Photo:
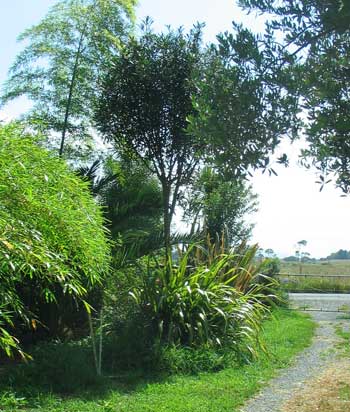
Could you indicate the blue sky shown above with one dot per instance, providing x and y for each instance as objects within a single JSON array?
[{"x": 291, "y": 206}]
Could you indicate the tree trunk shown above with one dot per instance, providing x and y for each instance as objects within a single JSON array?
[
  {"x": 167, "y": 222},
  {"x": 70, "y": 92}
]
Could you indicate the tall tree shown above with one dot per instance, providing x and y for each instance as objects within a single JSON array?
[
  {"x": 176, "y": 106},
  {"x": 300, "y": 252},
  {"x": 144, "y": 104},
  {"x": 57, "y": 69},
  {"x": 316, "y": 40}
]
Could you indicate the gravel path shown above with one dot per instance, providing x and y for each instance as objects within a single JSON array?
[{"x": 311, "y": 361}]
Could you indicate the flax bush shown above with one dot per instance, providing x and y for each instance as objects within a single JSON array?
[{"x": 203, "y": 305}]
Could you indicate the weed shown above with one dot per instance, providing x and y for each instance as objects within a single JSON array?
[
  {"x": 9, "y": 399},
  {"x": 344, "y": 392}
]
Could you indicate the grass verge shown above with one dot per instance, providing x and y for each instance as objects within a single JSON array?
[{"x": 285, "y": 334}]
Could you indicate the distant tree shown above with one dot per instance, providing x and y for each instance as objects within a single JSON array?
[
  {"x": 341, "y": 254},
  {"x": 53, "y": 247},
  {"x": 269, "y": 253},
  {"x": 260, "y": 254},
  {"x": 57, "y": 70},
  {"x": 300, "y": 253}
]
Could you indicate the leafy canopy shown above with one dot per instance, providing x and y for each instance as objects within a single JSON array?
[
  {"x": 316, "y": 41},
  {"x": 145, "y": 100},
  {"x": 243, "y": 107}
]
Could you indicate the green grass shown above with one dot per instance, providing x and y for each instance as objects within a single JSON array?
[
  {"x": 344, "y": 392},
  {"x": 344, "y": 344},
  {"x": 285, "y": 335}
]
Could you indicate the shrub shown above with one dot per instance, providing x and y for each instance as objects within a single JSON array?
[
  {"x": 131, "y": 345},
  {"x": 52, "y": 243},
  {"x": 196, "y": 306},
  {"x": 271, "y": 267}
]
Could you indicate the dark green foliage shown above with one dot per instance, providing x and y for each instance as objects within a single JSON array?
[
  {"x": 92, "y": 175},
  {"x": 132, "y": 204},
  {"x": 341, "y": 254},
  {"x": 189, "y": 361},
  {"x": 131, "y": 343},
  {"x": 129, "y": 336},
  {"x": 271, "y": 267},
  {"x": 52, "y": 242},
  {"x": 317, "y": 44},
  {"x": 145, "y": 100},
  {"x": 305, "y": 22},
  {"x": 243, "y": 108},
  {"x": 56, "y": 367}
]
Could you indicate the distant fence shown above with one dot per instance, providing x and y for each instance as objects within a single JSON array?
[
  {"x": 308, "y": 309},
  {"x": 311, "y": 276},
  {"x": 317, "y": 284}
]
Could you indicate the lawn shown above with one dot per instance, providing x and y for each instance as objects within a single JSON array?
[{"x": 285, "y": 335}]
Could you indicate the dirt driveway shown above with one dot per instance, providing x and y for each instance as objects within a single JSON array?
[{"x": 316, "y": 381}]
